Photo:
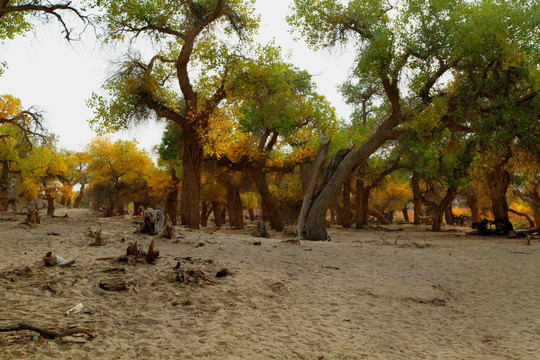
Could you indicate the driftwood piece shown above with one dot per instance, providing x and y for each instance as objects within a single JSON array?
[
  {"x": 51, "y": 259},
  {"x": 51, "y": 334},
  {"x": 152, "y": 223},
  {"x": 261, "y": 230},
  {"x": 134, "y": 253}
]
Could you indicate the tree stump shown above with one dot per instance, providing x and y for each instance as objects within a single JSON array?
[
  {"x": 98, "y": 239},
  {"x": 33, "y": 216},
  {"x": 168, "y": 231}
]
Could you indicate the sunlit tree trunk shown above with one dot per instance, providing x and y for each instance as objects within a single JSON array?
[
  {"x": 78, "y": 199},
  {"x": 171, "y": 199},
  {"x": 50, "y": 204}
]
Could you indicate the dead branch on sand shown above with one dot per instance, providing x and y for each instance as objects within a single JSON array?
[{"x": 51, "y": 334}]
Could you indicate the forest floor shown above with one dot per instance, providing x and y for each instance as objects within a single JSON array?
[{"x": 392, "y": 292}]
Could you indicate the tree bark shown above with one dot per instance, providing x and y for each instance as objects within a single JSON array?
[
  {"x": 315, "y": 221},
  {"x": 471, "y": 197},
  {"x": 192, "y": 158},
  {"x": 219, "y": 215},
  {"x": 205, "y": 214},
  {"x": 449, "y": 215},
  {"x": 234, "y": 207},
  {"x": 268, "y": 202},
  {"x": 362, "y": 204},
  {"x": 498, "y": 181},
  {"x": 311, "y": 187},
  {"x": 438, "y": 209}
]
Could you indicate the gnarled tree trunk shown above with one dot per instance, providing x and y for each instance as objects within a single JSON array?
[
  {"x": 234, "y": 203},
  {"x": 472, "y": 198},
  {"x": 498, "y": 181}
]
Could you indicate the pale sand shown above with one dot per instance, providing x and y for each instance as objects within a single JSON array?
[{"x": 360, "y": 296}]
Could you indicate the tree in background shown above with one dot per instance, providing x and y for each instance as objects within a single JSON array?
[
  {"x": 116, "y": 172},
  {"x": 184, "y": 81}
]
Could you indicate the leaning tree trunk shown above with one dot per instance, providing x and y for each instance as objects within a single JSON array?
[
  {"x": 50, "y": 204},
  {"x": 192, "y": 159},
  {"x": 268, "y": 202},
  {"x": 405, "y": 213},
  {"x": 78, "y": 199},
  {"x": 417, "y": 200},
  {"x": 498, "y": 181},
  {"x": 315, "y": 220}
]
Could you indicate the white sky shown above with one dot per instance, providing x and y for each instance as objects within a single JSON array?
[{"x": 56, "y": 77}]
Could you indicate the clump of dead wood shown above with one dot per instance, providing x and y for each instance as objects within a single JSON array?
[
  {"x": 152, "y": 223},
  {"x": 195, "y": 272},
  {"x": 134, "y": 254},
  {"x": 168, "y": 230}
]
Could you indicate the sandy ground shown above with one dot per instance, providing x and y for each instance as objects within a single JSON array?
[{"x": 369, "y": 294}]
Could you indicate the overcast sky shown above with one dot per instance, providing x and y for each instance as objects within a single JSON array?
[{"x": 57, "y": 78}]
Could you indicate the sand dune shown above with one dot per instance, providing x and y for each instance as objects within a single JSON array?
[{"x": 369, "y": 294}]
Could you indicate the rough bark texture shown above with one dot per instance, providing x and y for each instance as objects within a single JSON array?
[
  {"x": 234, "y": 207},
  {"x": 268, "y": 202},
  {"x": 362, "y": 203},
  {"x": 438, "y": 209},
  {"x": 311, "y": 186},
  {"x": 449, "y": 215},
  {"x": 472, "y": 198},
  {"x": 219, "y": 215},
  {"x": 405, "y": 213},
  {"x": 498, "y": 181},
  {"x": 205, "y": 214},
  {"x": 191, "y": 185}
]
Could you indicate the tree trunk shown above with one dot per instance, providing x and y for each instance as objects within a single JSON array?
[
  {"x": 449, "y": 215},
  {"x": 234, "y": 207},
  {"x": 315, "y": 219},
  {"x": 120, "y": 208},
  {"x": 171, "y": 200},
  {"x": 405, "y": 213},
  {"x": 269, "y": 204},
  {"x": 498, "y": 181},
  {"x": 378, "y": 216},
  {"x": 438, "y": 209},
  {"x": 192, "y": 158},
  {"x": 471, "y": 197},
  {"x": 78, "y": 199},
  {"x": 63, "y": 200},
  {"x": 311, "y": 187},
  {"x": 251, "y": 215},
  {"x": 219, "y": 215},
  {"x": 362, "y": 203},
  {"x": 417, "y": 200},
  {"x": 50, "y": 204},
  {"x": 205, "y": 214}
]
